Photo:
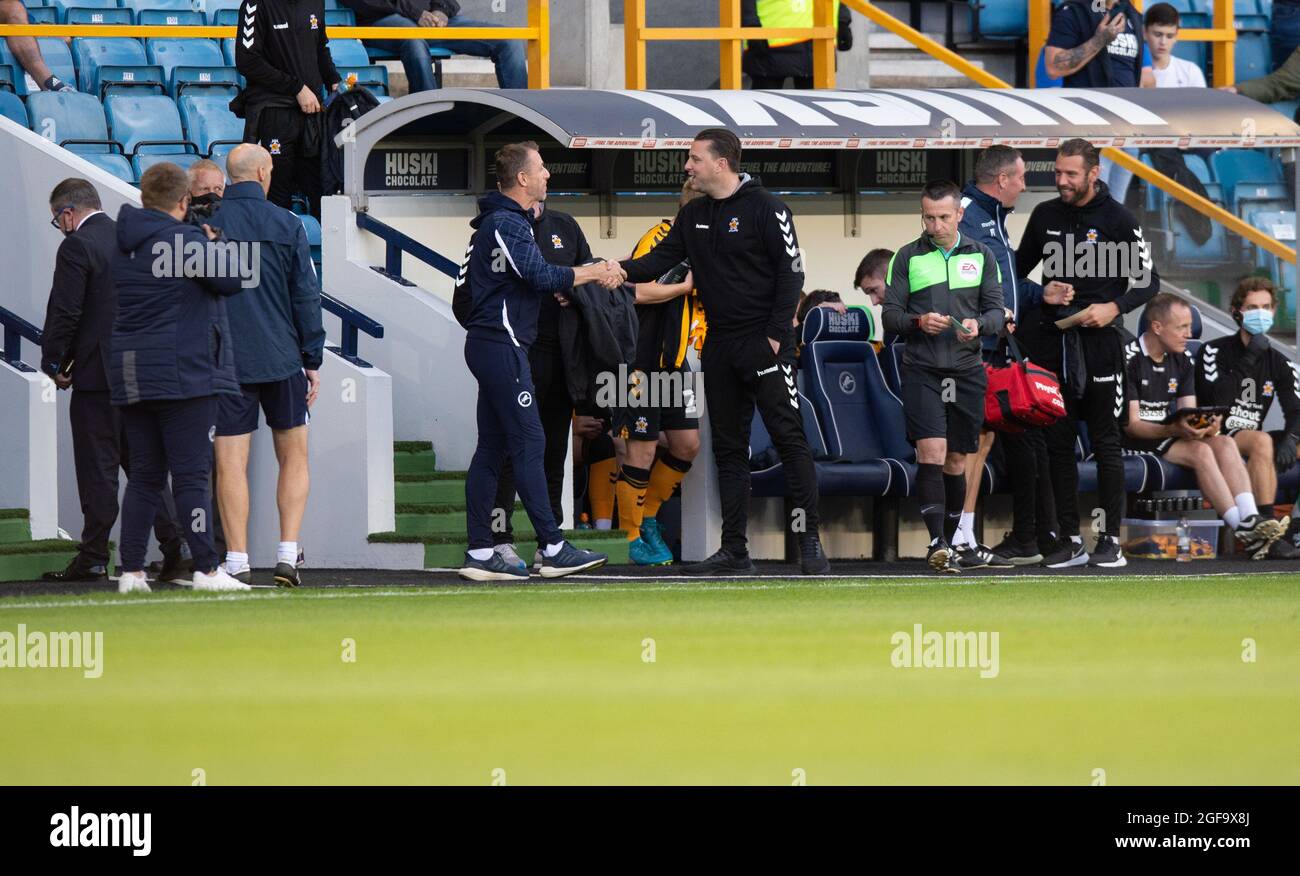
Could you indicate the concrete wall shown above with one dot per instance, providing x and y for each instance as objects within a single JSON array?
[{"x": 29, "y": 463}]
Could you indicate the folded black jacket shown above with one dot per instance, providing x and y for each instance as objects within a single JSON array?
[{"x": 597, "y": 334}]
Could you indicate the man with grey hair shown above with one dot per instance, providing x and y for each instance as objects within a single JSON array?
[
  {"x": 74, "y": 353},
  {"x": 207, "y": 184},
  {"x": 278, "y": 341}
]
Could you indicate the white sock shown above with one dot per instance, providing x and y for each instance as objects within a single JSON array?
[
  {"x": 966, "y": 529},
  {"x": 604, "y": 523},
  {"x": 1232, "y": 517},
  {"x": 235, "y": 561},
  {"x": 1077, "y": 539},
  {"x": 480, "y": 554},
  {"x": 553, "y": 549},
  {"x": 1246, "y": 505},
  {"x": 287, "y": 552}
]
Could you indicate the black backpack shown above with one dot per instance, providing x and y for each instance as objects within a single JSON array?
[{"x": 346, "y": 107}]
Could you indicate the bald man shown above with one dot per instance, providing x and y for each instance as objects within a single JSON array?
[{"x": 278, "y": 343}]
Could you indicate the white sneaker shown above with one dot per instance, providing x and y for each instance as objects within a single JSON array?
[
  {"x": 218, "y": 580},
  {"x": 133, "y": 582}
]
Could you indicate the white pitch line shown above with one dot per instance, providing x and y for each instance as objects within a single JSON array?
[{"x": 857, "y": 582}]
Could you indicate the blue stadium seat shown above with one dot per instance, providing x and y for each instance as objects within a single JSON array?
[
  {"x": 213, "y": 8},
  {"x": 215, "y": 80},
  {"x": 374, "y": 78},
  {"x": 767, "y": 475},
  {"x": 862, "y": 421},
  {"x": 1254, "y": 56},
  {"x": 12, "y": 108},
  {"x": 63, "y": 117},
  {"x": 210, "y": 124},
  {"x": 170, "y": 18},
  {"x": 114, "y": 164},
  {"x": 7, "y": 80},
  {"x": 142, "y": 162},
  {"x": 63, "y": 6},
  {"x": 228, "y": 51},
  {"x": 57, "y": 57},
  {"x": 1280, "y": 226},
  {"x": 1288, "y": 108},
  {"x": 999, "y": 20},
  {"x": 1233, "y": 167},
  {"x": 1248, "y": 16},
  {"x": 139, "y": 7},
  {"x": 93, "y": 53},
  {"x": 333, "y": 4},
  {"x": 340, "y": 18},
  {"x": 173, "y": 53},
  {"x": 226, "y": 17},
  {"x": 1189, "y": 254},
  {"x": 42, "y": 15},
  {"x": 78, "y": 15},
  {"x": 146, "y": 123},
  {"x": 348, "y": 53}
]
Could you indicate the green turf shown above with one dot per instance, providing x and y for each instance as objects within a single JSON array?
[{"x": 1141, "y": 678}]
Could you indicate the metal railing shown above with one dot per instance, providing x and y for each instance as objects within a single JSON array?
[
  {"x": 537, "y": 33},
  {"x": 353, "y": 321},
  {"x": 17, "y": 330},
  {"x": 729, "y": 35},
  {"x": 396, "y": 243}
]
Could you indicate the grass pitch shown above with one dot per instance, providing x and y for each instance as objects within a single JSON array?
[{"x": 750, "y": 683}]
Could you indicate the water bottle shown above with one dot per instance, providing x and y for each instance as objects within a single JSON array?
[{"x": 1184, "y": 534}]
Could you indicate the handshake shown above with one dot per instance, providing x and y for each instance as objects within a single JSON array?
[{"x": 608, "y": 274}]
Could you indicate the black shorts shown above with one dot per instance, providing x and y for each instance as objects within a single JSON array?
[
  {"x": 284, "y": 402},
  {"x": 669, "y": 405},
  {"x": 957, "y": 416}
]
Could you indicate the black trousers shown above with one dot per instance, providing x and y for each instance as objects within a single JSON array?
[
  {"x": 556, "y": 411},
  {"x": 99, "y": 448},
  {"x": 1033, "y": 503},
  {"x": 739, "y": 373},
  {"x": 1100, "y": 410},
  {"x": 280, "y": 132},
  {"x": 173, "y": 436}
]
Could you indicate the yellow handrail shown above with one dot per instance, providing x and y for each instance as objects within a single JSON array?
[
  {"x": 728, "y": 35},
  {"x": 1157, "y": 179},
  {"x": 536, "y": 33}
]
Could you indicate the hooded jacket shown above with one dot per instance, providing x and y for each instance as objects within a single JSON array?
[
  {"x": 985, "y": 220},
  {"x": 506, "y": 274},
  {"x": 745, "y": 259},
  {"x": 170, "y": 340},
  {"x": 277, "y": 323},
  {"x": 1098, "y": 248}
]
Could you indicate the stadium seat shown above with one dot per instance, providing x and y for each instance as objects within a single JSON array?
[
  {"x": 12, "y": 108},
  {"x": 226, "y": 17},
  {"x": 210, "y": 124},
  {"x": 1288, "y": 108},
  {"x": 1187, "y": 253},
  {"x": 1248, "y": 16},
  {"x": 1254, "y": 57},
  {"x": 767, "y": 475},
  {"x": 57, "y": 57},
  {"x": 114, "y": 164},
  {"x": 146, "y": 124},
  {"x": 71, "y": 119},
  {"x": 228, "y": 51},
  {"x": 65, "y": 6},
  {"x": 1280, "y": 226},
  {"x": 999, "y": 20},
  {"x": 215, "y": 80},
  {"x": 98, "y": 16},
  {"x": 374, "y": 78},
  {"x": 215, "y": 8},
  {"x": 42, "y": 15},
  {"x": 142, "y": 162},
  {"x": 7, "y": 79},
  {"x": 173, "y": 53},
  {"x": 348, "y": 53},
  {"x": 170, "y": 18},
  {"x": 93, "y": 53},
  {"x": 340, "y": 18},
  {"x": 139, "y": 7},
  {"x": 1233, "y": 167}
]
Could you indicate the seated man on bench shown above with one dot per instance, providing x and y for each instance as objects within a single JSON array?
[{"x": 1159, "y": 380}]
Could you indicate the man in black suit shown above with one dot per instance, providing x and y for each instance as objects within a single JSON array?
[{"x": 74, "y": 353}]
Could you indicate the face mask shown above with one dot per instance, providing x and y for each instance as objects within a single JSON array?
[
  {"x": 204, "y": 205},
  {"x": 1257, "y": 322}
]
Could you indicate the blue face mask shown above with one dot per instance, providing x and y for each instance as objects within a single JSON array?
[{"x": 1257, "y": 322}]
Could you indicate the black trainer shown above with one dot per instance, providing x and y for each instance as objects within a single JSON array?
[
  {"x": 78, "y": 570},
  {"x": 1016, "y": 552},
  {"x": 1067, "y": 554},
  {"x": 176, "y": 569},
  {"x": 1282, "y": 550},
  {"x": 943, "y": 558},
  {"x": 722, "y": 562},
  {"x": 286, "y": 575},
  {"x": 569, "y": 560},
  {"x": 494, "y": 568},
  {"x": 812, "y": 559},
  {"x": 1107, "y": 554}
]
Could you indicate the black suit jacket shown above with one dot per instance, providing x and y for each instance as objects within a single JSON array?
[{"x": 83, "y": 304}]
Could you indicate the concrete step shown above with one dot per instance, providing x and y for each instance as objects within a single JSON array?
[
  {"x": 440, "y": 488},
  {"x": 27, "y": 561},
  {"x": 414, "y": 457},
  {"x": 14, "y": 526}
]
